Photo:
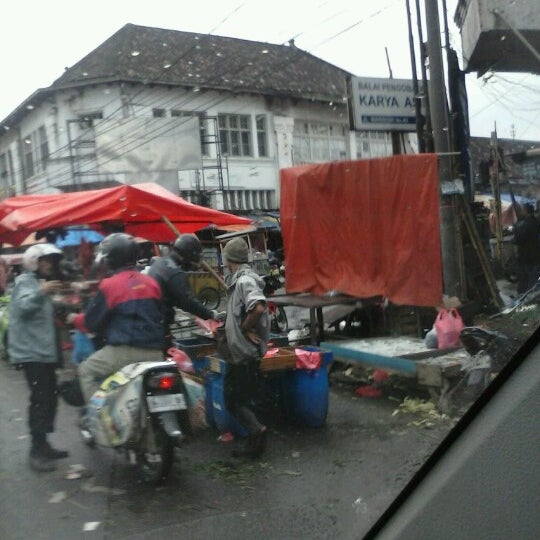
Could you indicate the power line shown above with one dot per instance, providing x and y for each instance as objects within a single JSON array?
[
  {"x": 354, "y": 25},
  {"x": 225, "y": 19},
  {"x": 158, "y": 100}
]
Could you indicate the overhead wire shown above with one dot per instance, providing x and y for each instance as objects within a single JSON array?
[
  {"x": 67, "y": 172},
  {"x": 166, "y": 67},
  {"x": 355, "y": 24},
  {"x": 498, "y": 97}
]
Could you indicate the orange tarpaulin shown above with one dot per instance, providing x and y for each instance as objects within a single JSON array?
[
  {"x": 364, "y": 228},
  {"x": 137, "y": 207}
]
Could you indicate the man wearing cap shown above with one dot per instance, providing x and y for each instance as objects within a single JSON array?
[
  {"x": 527, "y": 238},
  {"x": 246, "y": 328}
]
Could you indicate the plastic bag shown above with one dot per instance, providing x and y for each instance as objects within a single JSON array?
[
  {"x": 181, "y": 359},
  {"x": 114, "y": 409},
  {"x": 448, "y": 325},
  {"x": 209, "y": 326},
  {"x": 195, "y": 397},
  {"x": 307, "y": 359},
  {"x": 430, "y": 339}
]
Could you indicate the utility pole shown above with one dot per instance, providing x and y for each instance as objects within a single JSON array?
[
  {"x": 417, "y": 99},
  {"x": 440, "y": 125},
  {"x": 428, "y": 136}
]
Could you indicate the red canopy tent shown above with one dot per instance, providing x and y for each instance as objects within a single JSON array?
[{"x": 138, "y": 208}]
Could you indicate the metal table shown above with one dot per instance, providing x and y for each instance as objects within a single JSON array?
[{"x": 315, "y": 304}]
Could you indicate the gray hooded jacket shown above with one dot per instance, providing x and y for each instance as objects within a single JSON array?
[
  {"x": 32, "y": 333},
  {"x": 245, "y": 289}
]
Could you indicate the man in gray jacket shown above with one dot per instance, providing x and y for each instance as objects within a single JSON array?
[
  {"x": 33, "y": 346},
  {"x": 246, "y": 328}
]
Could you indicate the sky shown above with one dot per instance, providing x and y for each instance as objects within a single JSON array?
[{"x": 40, "y": 38}]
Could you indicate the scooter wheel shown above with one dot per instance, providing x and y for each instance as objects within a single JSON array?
[{"x": 155, "y": 463}]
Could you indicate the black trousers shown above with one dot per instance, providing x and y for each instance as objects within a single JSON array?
[
  {"x": 527, "y": 274},
  {"x": 41, "y": 379},
  {"x": 240, "y": 387}
]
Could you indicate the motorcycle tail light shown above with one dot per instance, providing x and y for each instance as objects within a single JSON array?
[{"x": 163, "y": 381}]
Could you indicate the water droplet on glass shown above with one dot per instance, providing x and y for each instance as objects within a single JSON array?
[{"x": 360, "y": 507}]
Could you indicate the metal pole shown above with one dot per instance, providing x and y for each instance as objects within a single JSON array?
[
  {"x": 427, "y": 131},
  {"x": 417, "y": 102},
  {"x": 439, "y": 119}
]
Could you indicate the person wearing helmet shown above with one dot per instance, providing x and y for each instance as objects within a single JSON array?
[
  {"x": 246, "y": 330},
  {"x": 170, "y": 273},
  {"x": 126, "y": 313},
  {"x": 34, "y": 346}
]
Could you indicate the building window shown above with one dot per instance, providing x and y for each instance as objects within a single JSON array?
[
  {"x": 35, "y": 152},
  {"x": 373, "y": 144},
  {"x": 262, "y": 146},
  {"x": 316, "y": 142},
  {"x": 28, "y": 157},
  {"x": 235, "y": 134},
  {"x": 158, "y": 113},
  {"x": 203, "y": 126},
  {"x": 86, "y": 121},
  {"x": 42, "y": 147},
  {"x": 6, "y": 173}
]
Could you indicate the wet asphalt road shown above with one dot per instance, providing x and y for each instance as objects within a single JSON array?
[{"x": 331, "y": 482}]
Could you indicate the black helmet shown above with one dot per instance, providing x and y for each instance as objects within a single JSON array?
[
  {"x": 188, "y": 250},
  {"x": 118, "y": 250}
]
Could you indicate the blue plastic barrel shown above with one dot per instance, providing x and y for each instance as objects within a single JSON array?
[
  {"x": 310, "y": 396},
  {"x": 223, "y": 421},
  {"x": 305, "y": 392}
]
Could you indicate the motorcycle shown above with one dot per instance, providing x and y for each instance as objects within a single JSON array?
[{"x": 142, "y": 411}]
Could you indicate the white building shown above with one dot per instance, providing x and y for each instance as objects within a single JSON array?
[
  {"x": 499, "y": 35},
  {"x": 210, "y": 118}
]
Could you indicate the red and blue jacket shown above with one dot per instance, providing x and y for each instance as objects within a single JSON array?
[{"x": 126, "y": 310}]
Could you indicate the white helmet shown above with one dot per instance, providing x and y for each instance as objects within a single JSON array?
[{"x": 33, "y": 253}]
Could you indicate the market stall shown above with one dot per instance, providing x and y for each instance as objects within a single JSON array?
[
  {"x": 293, "y": 381},
  {"x": 135, "y": 209}
]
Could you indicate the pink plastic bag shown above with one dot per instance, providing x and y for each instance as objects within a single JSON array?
[
  {"x": 307, "y": 359},
  {"x": 182, "y": 360},
  {"x": 448, "y": 325},
  {"x": 209, "y": 326}
]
